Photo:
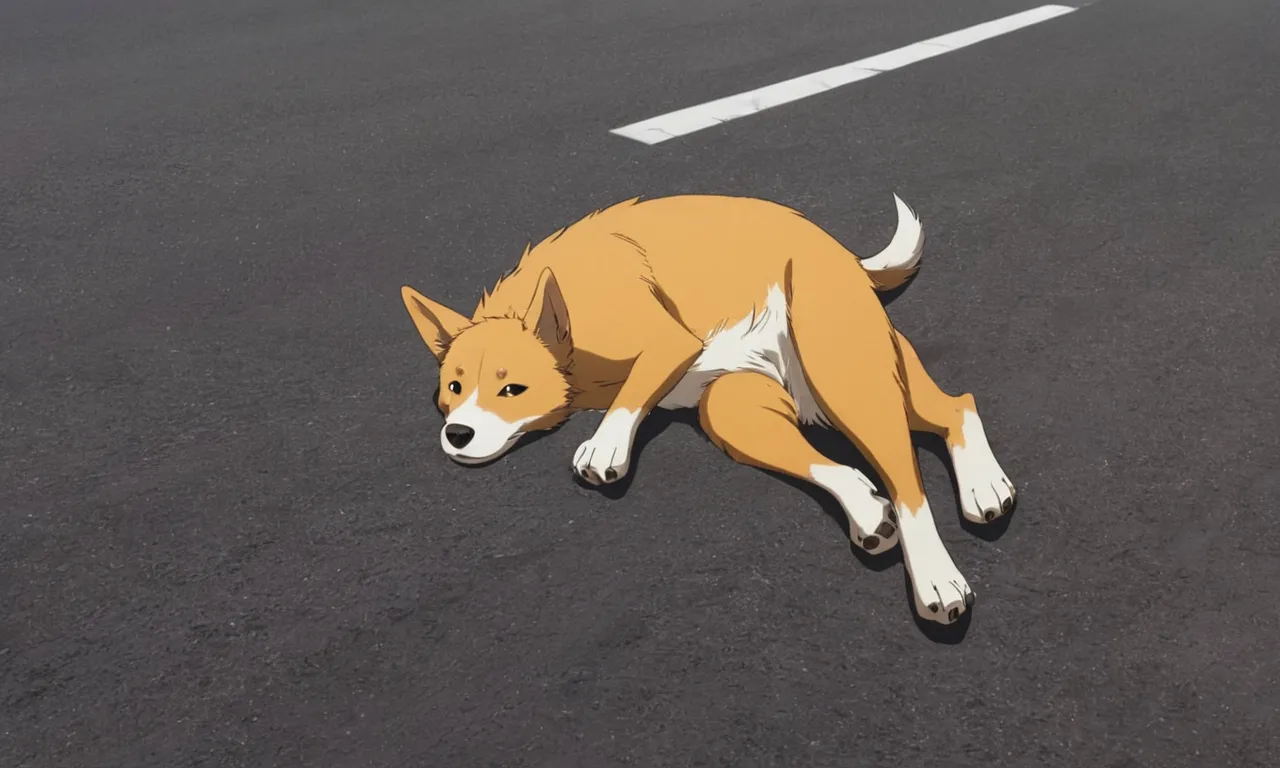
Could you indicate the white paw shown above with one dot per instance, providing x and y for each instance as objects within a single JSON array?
[
  {"x": 602, "y": 461},
  {"x": 986, "y": 497},
  {"x": 985, "y": 490},
  {"x": 941, "y": 594},
  {"x": 606, "y": 457},
  {"x": 884, "y": 535},
  {"x": 872, "y": 522}
]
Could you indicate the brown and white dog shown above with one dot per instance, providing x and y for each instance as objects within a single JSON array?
[{"x": 751, "y": 313}]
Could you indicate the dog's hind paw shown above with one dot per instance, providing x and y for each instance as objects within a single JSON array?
[
  {"x": 873, "y": 526},
  {"x": 988, "y": 498},
  {"x": 884, "y": 536},
  {"x": 942, "y": 596},
  {"x": 985, "y": 490}
]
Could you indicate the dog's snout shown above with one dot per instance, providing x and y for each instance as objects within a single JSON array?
[{"x": 458, "y": 435}]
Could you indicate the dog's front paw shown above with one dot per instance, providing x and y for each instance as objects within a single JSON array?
[
  {"x": 606, "y": 457},
  {"x": 602, "y": 460}
]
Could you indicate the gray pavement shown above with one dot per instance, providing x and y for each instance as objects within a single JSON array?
[{"x": 228, "y": 536}]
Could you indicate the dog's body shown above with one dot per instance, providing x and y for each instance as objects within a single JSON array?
[{"x": 745, "y": 310}]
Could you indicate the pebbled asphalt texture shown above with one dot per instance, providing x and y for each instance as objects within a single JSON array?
[{"x": 229, "y": 537}]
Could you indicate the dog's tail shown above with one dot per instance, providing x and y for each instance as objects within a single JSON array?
[{"x": 900, "y": 259}]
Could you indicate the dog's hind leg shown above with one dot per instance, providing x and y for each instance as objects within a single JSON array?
[
  {"x": 751, "y": 417},
  {"x": 984, "y": 489},
  {"x": 848, "y": 350}
]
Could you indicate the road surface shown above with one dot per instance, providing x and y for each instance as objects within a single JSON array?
[{"x": 229, "y": 537}]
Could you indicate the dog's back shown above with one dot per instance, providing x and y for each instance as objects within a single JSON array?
[{"x": 710, "y": 259}]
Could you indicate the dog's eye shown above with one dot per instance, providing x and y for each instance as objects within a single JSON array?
[
  {"x": 511, "y": 390},
  {"x": 455, "y": 387}
]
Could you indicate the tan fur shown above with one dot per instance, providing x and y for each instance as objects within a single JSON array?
[
  {"x": 928, "y": 407},
  {"x": 849, "y": 352},
  {"x": 611, "y": 312},
  {"x": 753, "y": 419}
]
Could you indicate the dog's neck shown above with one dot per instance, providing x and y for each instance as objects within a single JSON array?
[{"x": 594, "y": 381}]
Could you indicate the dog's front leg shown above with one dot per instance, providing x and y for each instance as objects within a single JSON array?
[{"x": 606, "y": 457}]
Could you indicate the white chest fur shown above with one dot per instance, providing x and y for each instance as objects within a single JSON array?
[{"x": 761, "y": 343}]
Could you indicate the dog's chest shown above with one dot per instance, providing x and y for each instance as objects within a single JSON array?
[{"x": 759, "y": 343}]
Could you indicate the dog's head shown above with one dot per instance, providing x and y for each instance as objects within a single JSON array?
[{"x": 500, "y": 377}]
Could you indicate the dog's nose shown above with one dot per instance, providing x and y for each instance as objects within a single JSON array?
[{"x": 458, "y": 435}]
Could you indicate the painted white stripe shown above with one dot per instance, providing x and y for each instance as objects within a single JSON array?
[{"x": 685, "y": 121}]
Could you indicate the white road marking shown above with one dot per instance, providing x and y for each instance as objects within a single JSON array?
[{"x": 685, "y": 121}]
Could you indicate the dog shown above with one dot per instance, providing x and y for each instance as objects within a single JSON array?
[{"x": 746, "y": 310}]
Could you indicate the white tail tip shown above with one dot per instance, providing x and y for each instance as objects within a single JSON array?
[{"x": 906, "y": 247}]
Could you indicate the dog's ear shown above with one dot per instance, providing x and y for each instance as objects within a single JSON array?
[
  {"x": 437, "y": 323},
  {"x": 547, "y": 316}
]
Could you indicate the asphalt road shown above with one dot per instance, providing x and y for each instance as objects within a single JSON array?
[{"x": 228, "y": 536}]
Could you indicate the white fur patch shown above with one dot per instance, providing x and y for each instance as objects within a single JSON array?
[
  {"x": 760, "y": 342},
  {"x": 941, "y": 593},
  {"x": 606, "y": 457},
  {"x": 866, "y": 511},
  {"x": 985, "y": 490},
  {"x": 906, "y": 247},
  {"x": 493, "y": 435}
]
